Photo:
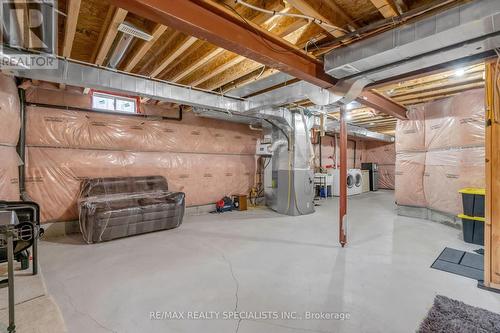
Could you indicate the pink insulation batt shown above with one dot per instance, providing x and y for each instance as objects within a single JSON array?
[
  {"x": 446, "y": 172},
  {"x": 204, "y": 158},
  {"x": 9, "y": 133},
  {"x": 409, "y": 179}
]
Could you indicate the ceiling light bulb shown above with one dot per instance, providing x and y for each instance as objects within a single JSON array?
[
  {"x": 459, "y": 72},
  {"x": 348, "y": 116}
]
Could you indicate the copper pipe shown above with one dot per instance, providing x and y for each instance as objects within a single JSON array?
[{"x": 343, "y": 177}]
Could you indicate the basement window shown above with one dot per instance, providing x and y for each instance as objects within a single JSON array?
[{"x": 114, "y": 103}]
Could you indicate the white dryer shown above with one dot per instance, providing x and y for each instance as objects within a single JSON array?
[{"x": 354, "y": 181}]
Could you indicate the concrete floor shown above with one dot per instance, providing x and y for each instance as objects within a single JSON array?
[{"x": 259, "y": 261}]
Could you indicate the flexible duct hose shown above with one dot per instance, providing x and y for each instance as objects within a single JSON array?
[{"x": 276, "y": 144}]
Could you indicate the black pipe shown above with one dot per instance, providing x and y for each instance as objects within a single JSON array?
[
  {"x": 67, "y": 108},
  {"x": 21, "y": 144}
]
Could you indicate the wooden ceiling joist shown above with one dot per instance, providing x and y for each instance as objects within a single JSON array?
[
  {"x": 242, "y": 68},
  {"x": 144, "y": 47},
  {"x": 213, "y": 22},
  {"x": 230, "y": 63},
  {"x": 291, "y": 27},
  {"x": 386, "y": 7},
  {"x": 433, "y": 88},
  {"x": 70, "y": 26},
  {"x": 409, "y": 84},
  {"x": 180, "y": 49},
  {"x": 197, "y": 64},
  {"x": 70, "y": 29},
  {"x": 419, "y": 98},
  {"x": 218, "y": 25},
  {"x": 109, "y": 34},
  {"x": 326, "y": 11},
  {"x": 166, "y": 44},
  {"x": 264, "y": 20}
]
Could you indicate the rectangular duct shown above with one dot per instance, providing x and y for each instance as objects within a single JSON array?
[
  {"x": 89, "y": 76},
  {"x": 262, "y": 84},
  {"x": 333, "y": 126},
  {"x": 85, "y": 75},
  {"x": 465, "y": 23}
]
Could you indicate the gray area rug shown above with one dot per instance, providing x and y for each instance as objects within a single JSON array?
[{"x": 451, "y": 316}]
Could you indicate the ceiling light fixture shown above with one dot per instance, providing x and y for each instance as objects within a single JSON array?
[
  {"x": 459, "y": 72},
  {"x": 350, "y": 106}
]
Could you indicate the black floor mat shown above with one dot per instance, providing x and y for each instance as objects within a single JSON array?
[
  {"x": 462, "y": 263},
  {"x": 479, "y": 251}
]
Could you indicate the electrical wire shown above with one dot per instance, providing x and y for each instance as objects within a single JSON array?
[
  {"x": 258, "y": 32},
  {"x": 497, "y": 88},
  {"x": 387, "y": 23},
  {"x": 308, "y": 18},
  {"x": 261, "y": 72}
]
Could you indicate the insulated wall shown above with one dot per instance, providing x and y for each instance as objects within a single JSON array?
[
  {"x": 446, "y": 139},
  {"x": 9, "y": 134},
  {"x": 330, "y": 156},
  {"x": 204, "y": 158},
  {"x": 447, "y": 171},
  {"x": 410, "y": 158},
  {"x": 409, "y": 182},
  {"x": 384, "y": 154},
  {"x": 358, "y": 152}
]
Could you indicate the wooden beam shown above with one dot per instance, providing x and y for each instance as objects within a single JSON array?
[
  {"x": 381, "y": 103},
  {"x": 70, "y": 26},
  {"x": 385, "y": 7},
  {"x": 218, "y": 25},
  {"x": 111, "y": 30},
  {"x": 343, "y": 177},
  {"x": 492, "y": 208},
  {"x": 144, "y": 47}
]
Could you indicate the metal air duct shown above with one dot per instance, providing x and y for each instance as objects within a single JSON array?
[
  {"x": 469, "y": 30},
  {"x": 419, "y": 45},
  {"x": 85, "y": 75},
  {"x": 128, "y": 32}
]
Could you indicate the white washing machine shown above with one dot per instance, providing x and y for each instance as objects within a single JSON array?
[{"x": 354, "y": 181}]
